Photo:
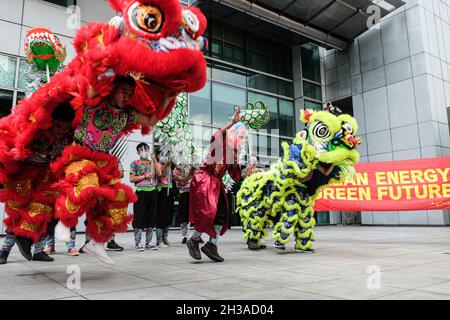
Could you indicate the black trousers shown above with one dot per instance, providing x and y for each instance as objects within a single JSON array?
[
  {"x": 166, "y": 204},
  {"x": 183, "y": 208},
  {"x": 222, "y": 216},
  {"x": 51, "y": 228},
  {"x": 145, "y": 209}
]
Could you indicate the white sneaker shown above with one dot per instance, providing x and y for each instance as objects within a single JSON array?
[
  {"x": 151, "y": 247},
  {"x": 161, "y": 245},
  {"x": 62, "y": 233},
  {"x": 97, "y": 250}
]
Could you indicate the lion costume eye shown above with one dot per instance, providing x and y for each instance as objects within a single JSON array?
[
  {"x": 347, "y": 127},
  {"x": 145, "y": 17},
  {"x": 320, "y": 130}
]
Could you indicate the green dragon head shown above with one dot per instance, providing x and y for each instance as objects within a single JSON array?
[{"x": 328, "y": 138}]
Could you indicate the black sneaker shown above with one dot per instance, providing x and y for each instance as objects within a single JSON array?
[
  {"x": 43, "y": 257},
  {"x": 210, "y": 250},
  {"x": 279, "y": 246},
  {"x": 253, "y": 245},
  {"x": 184, "y": 240},
  {"x": 25, "y": 245},
  {"x": 4, "y": 256},
  {"x": 113, "y": 246},
  {"x": 194, "y": 250},
  {"x": 306, "y": 251},
  {"x": 82, "y": 249}
]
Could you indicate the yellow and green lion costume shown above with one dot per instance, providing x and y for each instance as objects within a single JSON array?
[{"x": 283, "y": 198}]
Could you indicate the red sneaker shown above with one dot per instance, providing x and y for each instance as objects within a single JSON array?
[
  {"x": 73, "y": 252},
  {"x": 50, "y": 250}
]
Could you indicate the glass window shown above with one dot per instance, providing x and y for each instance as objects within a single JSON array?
[
  {"x": 268, "y": 146},
  {"x": 6, "y": 102},
  {"x": 263, "y": 82},
  {"x": 216, "y": 48},
  {"x": 285, "y": 88},
  {"x": 322, "y": 217},
  {"x": 287, "y": 118},
  {"x": 254, "y": 143},
  {"x": 7, "y": 71},
  {"x": 272, "y": 105},
  {"x": 201, "y": 136},
  {"x": 283, "y": 64},
  {"x": 233, "y": 53},
  {"x": 283, "y": 68},
  {"x": 229, "y": 76},
  {"x": 23, "y": 67},
  {"x": 286, "y": 108},
  {"x": 263, "y": 145},
  {"x": 258, "y": 61},
  {"x": 313, "y": 105},
  {"x": 216, "y": 30},
  {"x": 233, "y": 45},
  {"x": 261, "y": 46},
  {"x": 200, "y": 105},
  {"x": 311, "y": 62},
  {"x": 311, "y": 90},
  {"x": 225, "y": 99},
  {"x": 65, "y": 3},
  {"x": 233, "y": 36},
  {"x": 20, "y": 96}
]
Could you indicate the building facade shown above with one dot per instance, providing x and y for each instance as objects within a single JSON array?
[{"x": 395, "y": 78}]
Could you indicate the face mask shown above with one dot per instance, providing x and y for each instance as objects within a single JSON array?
[{"x": 144, "y": 155}]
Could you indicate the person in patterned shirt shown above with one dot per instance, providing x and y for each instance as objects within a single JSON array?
[
  {"x": 98, "y": 132},
  {"x": 143, "y": 175},
  {"x": 103, "y": 124}
]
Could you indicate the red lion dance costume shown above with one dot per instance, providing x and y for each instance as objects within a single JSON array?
[{"x": 158, "y": 43}]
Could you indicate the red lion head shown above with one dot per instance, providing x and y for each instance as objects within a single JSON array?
[
  {"x": 157, "y": 42},
  {"x": 160, "y": 44}
]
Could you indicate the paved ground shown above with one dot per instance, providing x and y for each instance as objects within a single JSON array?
[{"x": 414, "y": 264}]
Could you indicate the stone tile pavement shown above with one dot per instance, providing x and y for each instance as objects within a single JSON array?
[{"x": 350, "y": 263}]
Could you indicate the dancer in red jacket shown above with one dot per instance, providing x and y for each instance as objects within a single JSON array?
[{"x": 208, "y": 205}]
